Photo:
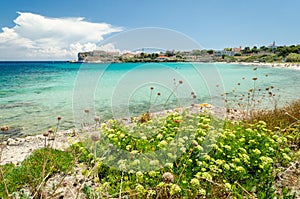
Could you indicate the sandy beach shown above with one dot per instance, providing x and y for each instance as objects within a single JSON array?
[{"x": 275, "y": 65}]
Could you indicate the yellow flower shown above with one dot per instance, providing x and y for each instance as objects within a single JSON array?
[
  {"x": 207, "y": 176},
  {"x": 256, "y": 151},
  {"x": 202, "y": 192},
  {"x": 228, "y": 186},
  {"x": 195, "y": 183},
  {"x": 175, "y": 189},
  {"x": 139, "y": 188},
  {"x": 285, "y": 156},
  {"x": 152, "y": 173}
]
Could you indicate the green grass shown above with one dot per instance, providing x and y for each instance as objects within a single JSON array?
[{"x": 29, "y": 173}]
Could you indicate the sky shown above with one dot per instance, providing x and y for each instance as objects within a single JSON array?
[{"x": 59, "y": 29}]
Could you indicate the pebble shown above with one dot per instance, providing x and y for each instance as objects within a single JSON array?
[{"x": 20, "y": 140}]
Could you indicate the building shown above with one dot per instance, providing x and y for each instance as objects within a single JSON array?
[
  {"x": 273, "y": 47},
  {"x": 237, "y": 50},
  {"x": 128, "y": 55},
  {"x": 219, "y": 53},
  {"x": 162, "y": 58}
]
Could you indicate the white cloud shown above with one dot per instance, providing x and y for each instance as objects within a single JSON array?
[
  {"x": 35, "y": 37},
  {"x": 109, "y": 47}
]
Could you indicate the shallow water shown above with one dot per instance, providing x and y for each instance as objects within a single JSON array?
[{"x": 33, "y": 94}]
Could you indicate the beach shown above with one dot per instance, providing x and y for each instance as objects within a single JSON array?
[{"x": 273, "y": 65}]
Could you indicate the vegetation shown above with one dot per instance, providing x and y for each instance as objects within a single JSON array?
[
  {"x": 180, "y": 154},
  {"x": 33, "y": 172},
  {"x": 263, "y": 54},
  {"x": 268, "y": 54},
  {"x": 293, "y": 57},
  {"x": 240, "y": 161}
]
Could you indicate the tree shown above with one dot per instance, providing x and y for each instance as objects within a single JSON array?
[
  {"x": 263, "y": 48},
  {"x": 227, "y": 49},
  {"x": 247, "y": 50},
  {"x": 154, "y": 55},
  {"x": 196, "y": 52},
  {"x": 254, "y": 49},
  {"x": 210, "y": 52},
  {"x": 283, "y": 51},
  {"x": 169, "y": 53}
]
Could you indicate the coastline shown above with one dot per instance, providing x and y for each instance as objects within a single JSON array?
[
  {"x": 18, "y": 148},
  {"x": 289, "y": 65},
  {"x": 272, "y": 65},
  {"x": 15, "y": 150}
]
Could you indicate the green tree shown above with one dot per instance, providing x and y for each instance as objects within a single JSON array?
[
  {"x": 210, "y": 52},
  {"x": 263, "y": 48},
  {"x": 247, "y": 50},
  {"x": 227, "y": 49},
  {"x": 254, "y": 49},
  {"x": 283, "y": 51},
  {"x": 196, "y": 52},
  {"x": 170, "y": 53}
]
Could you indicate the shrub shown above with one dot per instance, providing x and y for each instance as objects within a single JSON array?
[{"x": 293, "y": 57}]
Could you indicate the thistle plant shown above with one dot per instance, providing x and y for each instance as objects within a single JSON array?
[
  {"x": 97, "y": 121},
  {"x": 87, "y": 112},
  {"x": 173, "y": 92}
]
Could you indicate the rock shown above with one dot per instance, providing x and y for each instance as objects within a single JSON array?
[
  {"x": 12, "y": 142},
  {"x": 20, "y": 140}
]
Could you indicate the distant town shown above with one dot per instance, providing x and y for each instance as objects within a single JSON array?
[{"x": 263, "y": 54}]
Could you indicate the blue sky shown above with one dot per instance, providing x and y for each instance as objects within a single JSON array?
[{"x": 214, "y": 24}]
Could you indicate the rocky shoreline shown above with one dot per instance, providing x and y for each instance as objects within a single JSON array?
[{"x": 15, "y": 150}]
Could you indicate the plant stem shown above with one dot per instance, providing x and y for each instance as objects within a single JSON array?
[
  {"x": 5, "y": 185},
  {"x": 151, "y": 92},
  {"x": 191, "y": 151},
  {"x": 244, "y": 189},
  {"x": 120, "y": 192}
]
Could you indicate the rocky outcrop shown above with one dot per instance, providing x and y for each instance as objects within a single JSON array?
[
  {"x": 84, "y": 55},
  {"x": 98, "y": 56}
]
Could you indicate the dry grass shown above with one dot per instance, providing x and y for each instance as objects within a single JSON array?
[{"x": 283, "y": 118}]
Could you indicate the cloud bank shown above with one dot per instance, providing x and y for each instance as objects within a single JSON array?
[{"x": 35, "y": 37}]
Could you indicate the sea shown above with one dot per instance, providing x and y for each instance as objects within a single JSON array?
[{"x": 34, "y": 94}]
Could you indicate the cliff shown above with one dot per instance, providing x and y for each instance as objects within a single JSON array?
[{"x": 98, "y": 56}]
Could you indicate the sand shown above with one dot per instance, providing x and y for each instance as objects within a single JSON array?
[{"x": 275, "y": 65}]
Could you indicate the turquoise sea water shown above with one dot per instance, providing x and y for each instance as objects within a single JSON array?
[{"x": 33, "y": 94}]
